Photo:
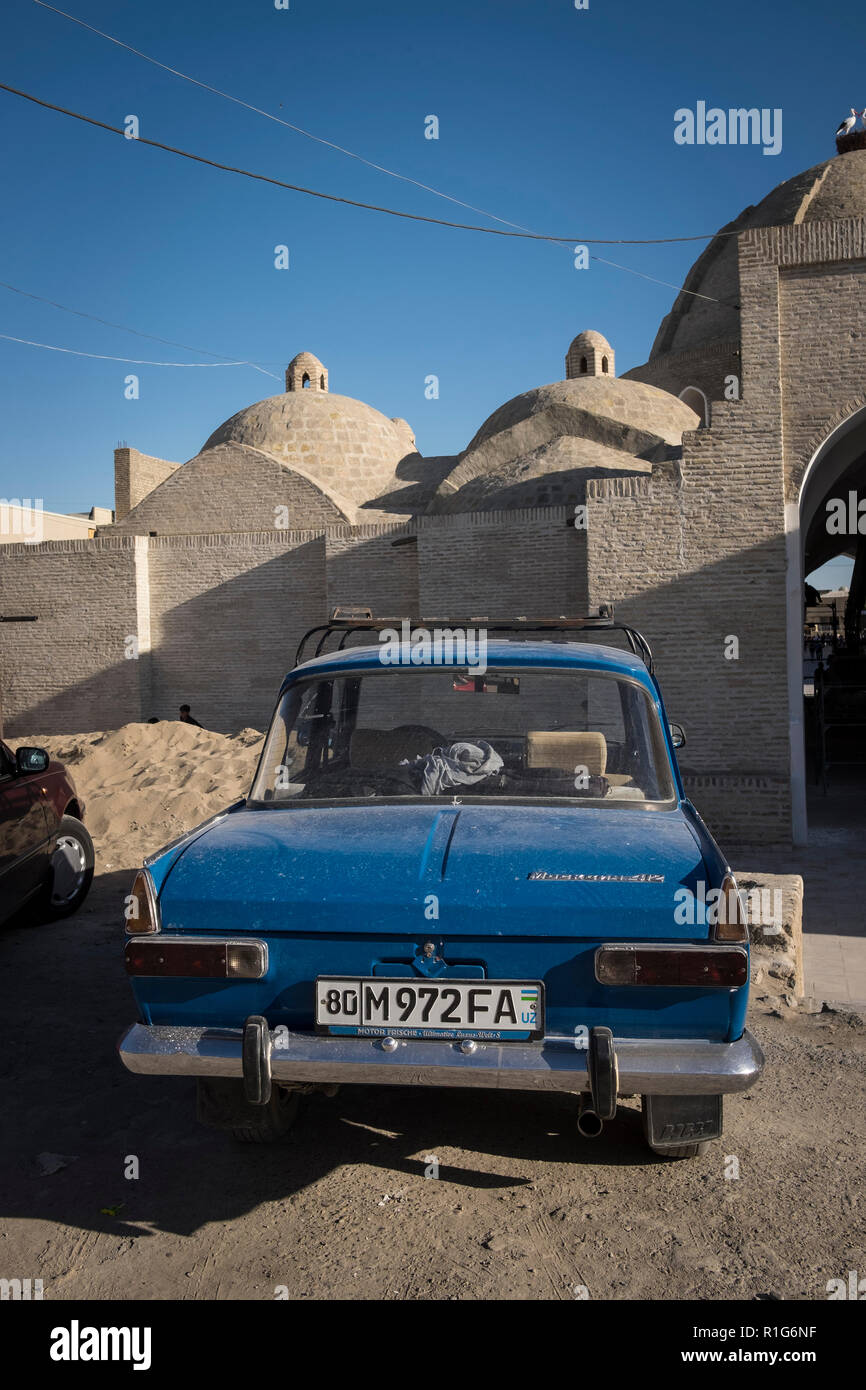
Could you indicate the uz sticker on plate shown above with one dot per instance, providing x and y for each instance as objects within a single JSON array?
[{"x": 423, "y": 1008}]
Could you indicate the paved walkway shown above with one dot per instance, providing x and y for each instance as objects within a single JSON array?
[{"x": 834, "y": 905}]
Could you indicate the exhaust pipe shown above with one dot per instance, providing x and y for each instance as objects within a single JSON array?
[{"x": 589, "y": 1122}]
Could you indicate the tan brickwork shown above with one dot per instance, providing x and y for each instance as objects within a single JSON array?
[
  {"x": 75, "y": 667},
  {"x": 136, "y": 475}
]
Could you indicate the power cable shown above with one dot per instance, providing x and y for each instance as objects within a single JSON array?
[
  {"x": 123, "y": 329},
  {"x": 354, "y": 202},
  {"x": 105, "y": 357}
]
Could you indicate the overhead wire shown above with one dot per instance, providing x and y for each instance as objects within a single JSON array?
[
  {"x": 380, "y": 168},
  {"x": 106, "y": 357},
  {"x": 123, "y": 328},
  {"x": 516, "y": 229},
  {"x": 354, "y": 202},
  {"x": 135, "y": 331}
]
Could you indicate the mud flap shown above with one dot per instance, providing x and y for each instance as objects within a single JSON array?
[
  {"x": 674, "y": 1120},
  {"x": 603, "y": 1072},
  {"x": 257, "y": 1060}
]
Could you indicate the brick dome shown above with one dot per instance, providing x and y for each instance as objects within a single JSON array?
[
  {"x": 540, "y": 448},
  {"x": 342, "y": 444},
  {"x": 825, "y": 193}
]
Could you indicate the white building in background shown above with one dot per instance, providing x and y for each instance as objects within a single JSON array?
[{"x": 25, "y": 520}]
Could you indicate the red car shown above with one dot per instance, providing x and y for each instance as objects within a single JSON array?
[{"x": 46, "y": 854}]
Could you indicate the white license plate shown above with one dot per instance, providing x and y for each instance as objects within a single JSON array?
[{"x": 422, "y": 1008}]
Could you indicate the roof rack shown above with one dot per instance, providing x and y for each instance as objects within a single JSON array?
[{"x": 347, "y": 620}]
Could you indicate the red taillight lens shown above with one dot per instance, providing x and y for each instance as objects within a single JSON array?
[
  {"x": 185, "y": 956},
  {"x": 686, "y": 967}
]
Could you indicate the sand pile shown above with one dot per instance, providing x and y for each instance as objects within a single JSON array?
[{"x": 145, "y": 784}]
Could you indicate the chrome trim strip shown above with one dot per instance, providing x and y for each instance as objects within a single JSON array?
[{"x": 647, "y": 1066}]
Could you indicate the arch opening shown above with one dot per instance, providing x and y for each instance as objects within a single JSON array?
[
  {"x": 696, "y": 400},
  {"x": 826, "y": 584}
]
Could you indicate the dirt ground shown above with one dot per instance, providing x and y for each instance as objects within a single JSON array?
[{"x": 523, "y": 1208}]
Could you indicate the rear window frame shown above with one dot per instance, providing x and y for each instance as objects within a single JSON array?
[{"x": 656, "y": 719}]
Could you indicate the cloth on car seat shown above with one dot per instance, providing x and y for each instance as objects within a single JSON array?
[
  {"x": 460, "y": 765},
  {"x": 566, "y": 751}
]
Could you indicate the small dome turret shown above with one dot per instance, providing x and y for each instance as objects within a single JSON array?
[
  {"x": 306, "y": 373},
  {"x": 590, "y": 354}
]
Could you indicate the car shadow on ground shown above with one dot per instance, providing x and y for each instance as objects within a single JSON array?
[{"x": 76, "y": 1118}]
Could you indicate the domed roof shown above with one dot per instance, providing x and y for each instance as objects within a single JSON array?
[
  {"x": 589, "y": 338},
  {"x": 305, "y": 359},
  {"x": 539, "y": 448},
  {"x": 829, "y": 191},
  {"x": 344, "y": 445}
]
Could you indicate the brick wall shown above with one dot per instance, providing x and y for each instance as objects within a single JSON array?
[
  {"x": 233, "y": 487},
  {"x": 690, "y": 557},
  {"x": 365, "y": 567},
  {"x": 706, "y": 370},
  {"x": 227, "y": 612},
  {"x": 503, "y": 564},
  {"x": 69, "y": 671},
  {"x": 135, "y": 475}
]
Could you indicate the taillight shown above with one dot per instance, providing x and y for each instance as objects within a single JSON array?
[
  {"x": 197, "y": 956},
  {"x": 142, "y": 909},
  {"x": 684, "y": 967},
  {"x": 730, "y": 920}
]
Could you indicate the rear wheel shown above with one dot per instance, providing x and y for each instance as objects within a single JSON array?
[
  {"x": 682, "y": 1150},
  {"x": 223, "y": 1105},
  {"x": 71, "y": 870},
  {"x": 274, "y": 1121}
]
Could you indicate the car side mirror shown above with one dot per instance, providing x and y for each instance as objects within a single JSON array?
[
  {"x": 678, "y": 735},
  {"x": 31, "y": 760}
]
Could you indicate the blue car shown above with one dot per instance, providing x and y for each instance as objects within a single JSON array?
[{"x": 466, "y": 859}]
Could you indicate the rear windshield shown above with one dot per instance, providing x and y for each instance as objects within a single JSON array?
[{"x": 574, "y": 735}]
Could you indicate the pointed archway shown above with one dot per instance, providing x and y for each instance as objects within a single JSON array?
[{"x": 822, "y": 525}]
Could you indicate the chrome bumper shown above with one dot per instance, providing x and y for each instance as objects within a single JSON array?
[{"x": 647, "y": 1066}]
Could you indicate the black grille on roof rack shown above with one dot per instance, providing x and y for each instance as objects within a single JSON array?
[{"x": 348, "y": 620}]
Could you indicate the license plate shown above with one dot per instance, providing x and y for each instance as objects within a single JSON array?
[{"x": 421, "y": 1008}]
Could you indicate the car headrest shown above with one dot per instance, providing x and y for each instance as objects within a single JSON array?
[{"x": 566, "y": 751}]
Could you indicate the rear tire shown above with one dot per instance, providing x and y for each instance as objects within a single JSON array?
[
  {"x": 273, "y": 1121},
  {"x": 71, "y": 872},
  {"x": 682, "y": 1150},
  {"x": 221, "y": 1104}
]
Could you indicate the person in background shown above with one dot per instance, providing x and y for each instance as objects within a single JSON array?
[{"x": 186, "y": 717}]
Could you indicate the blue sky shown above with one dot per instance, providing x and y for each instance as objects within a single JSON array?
[{"x": 558, "y": 119}]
